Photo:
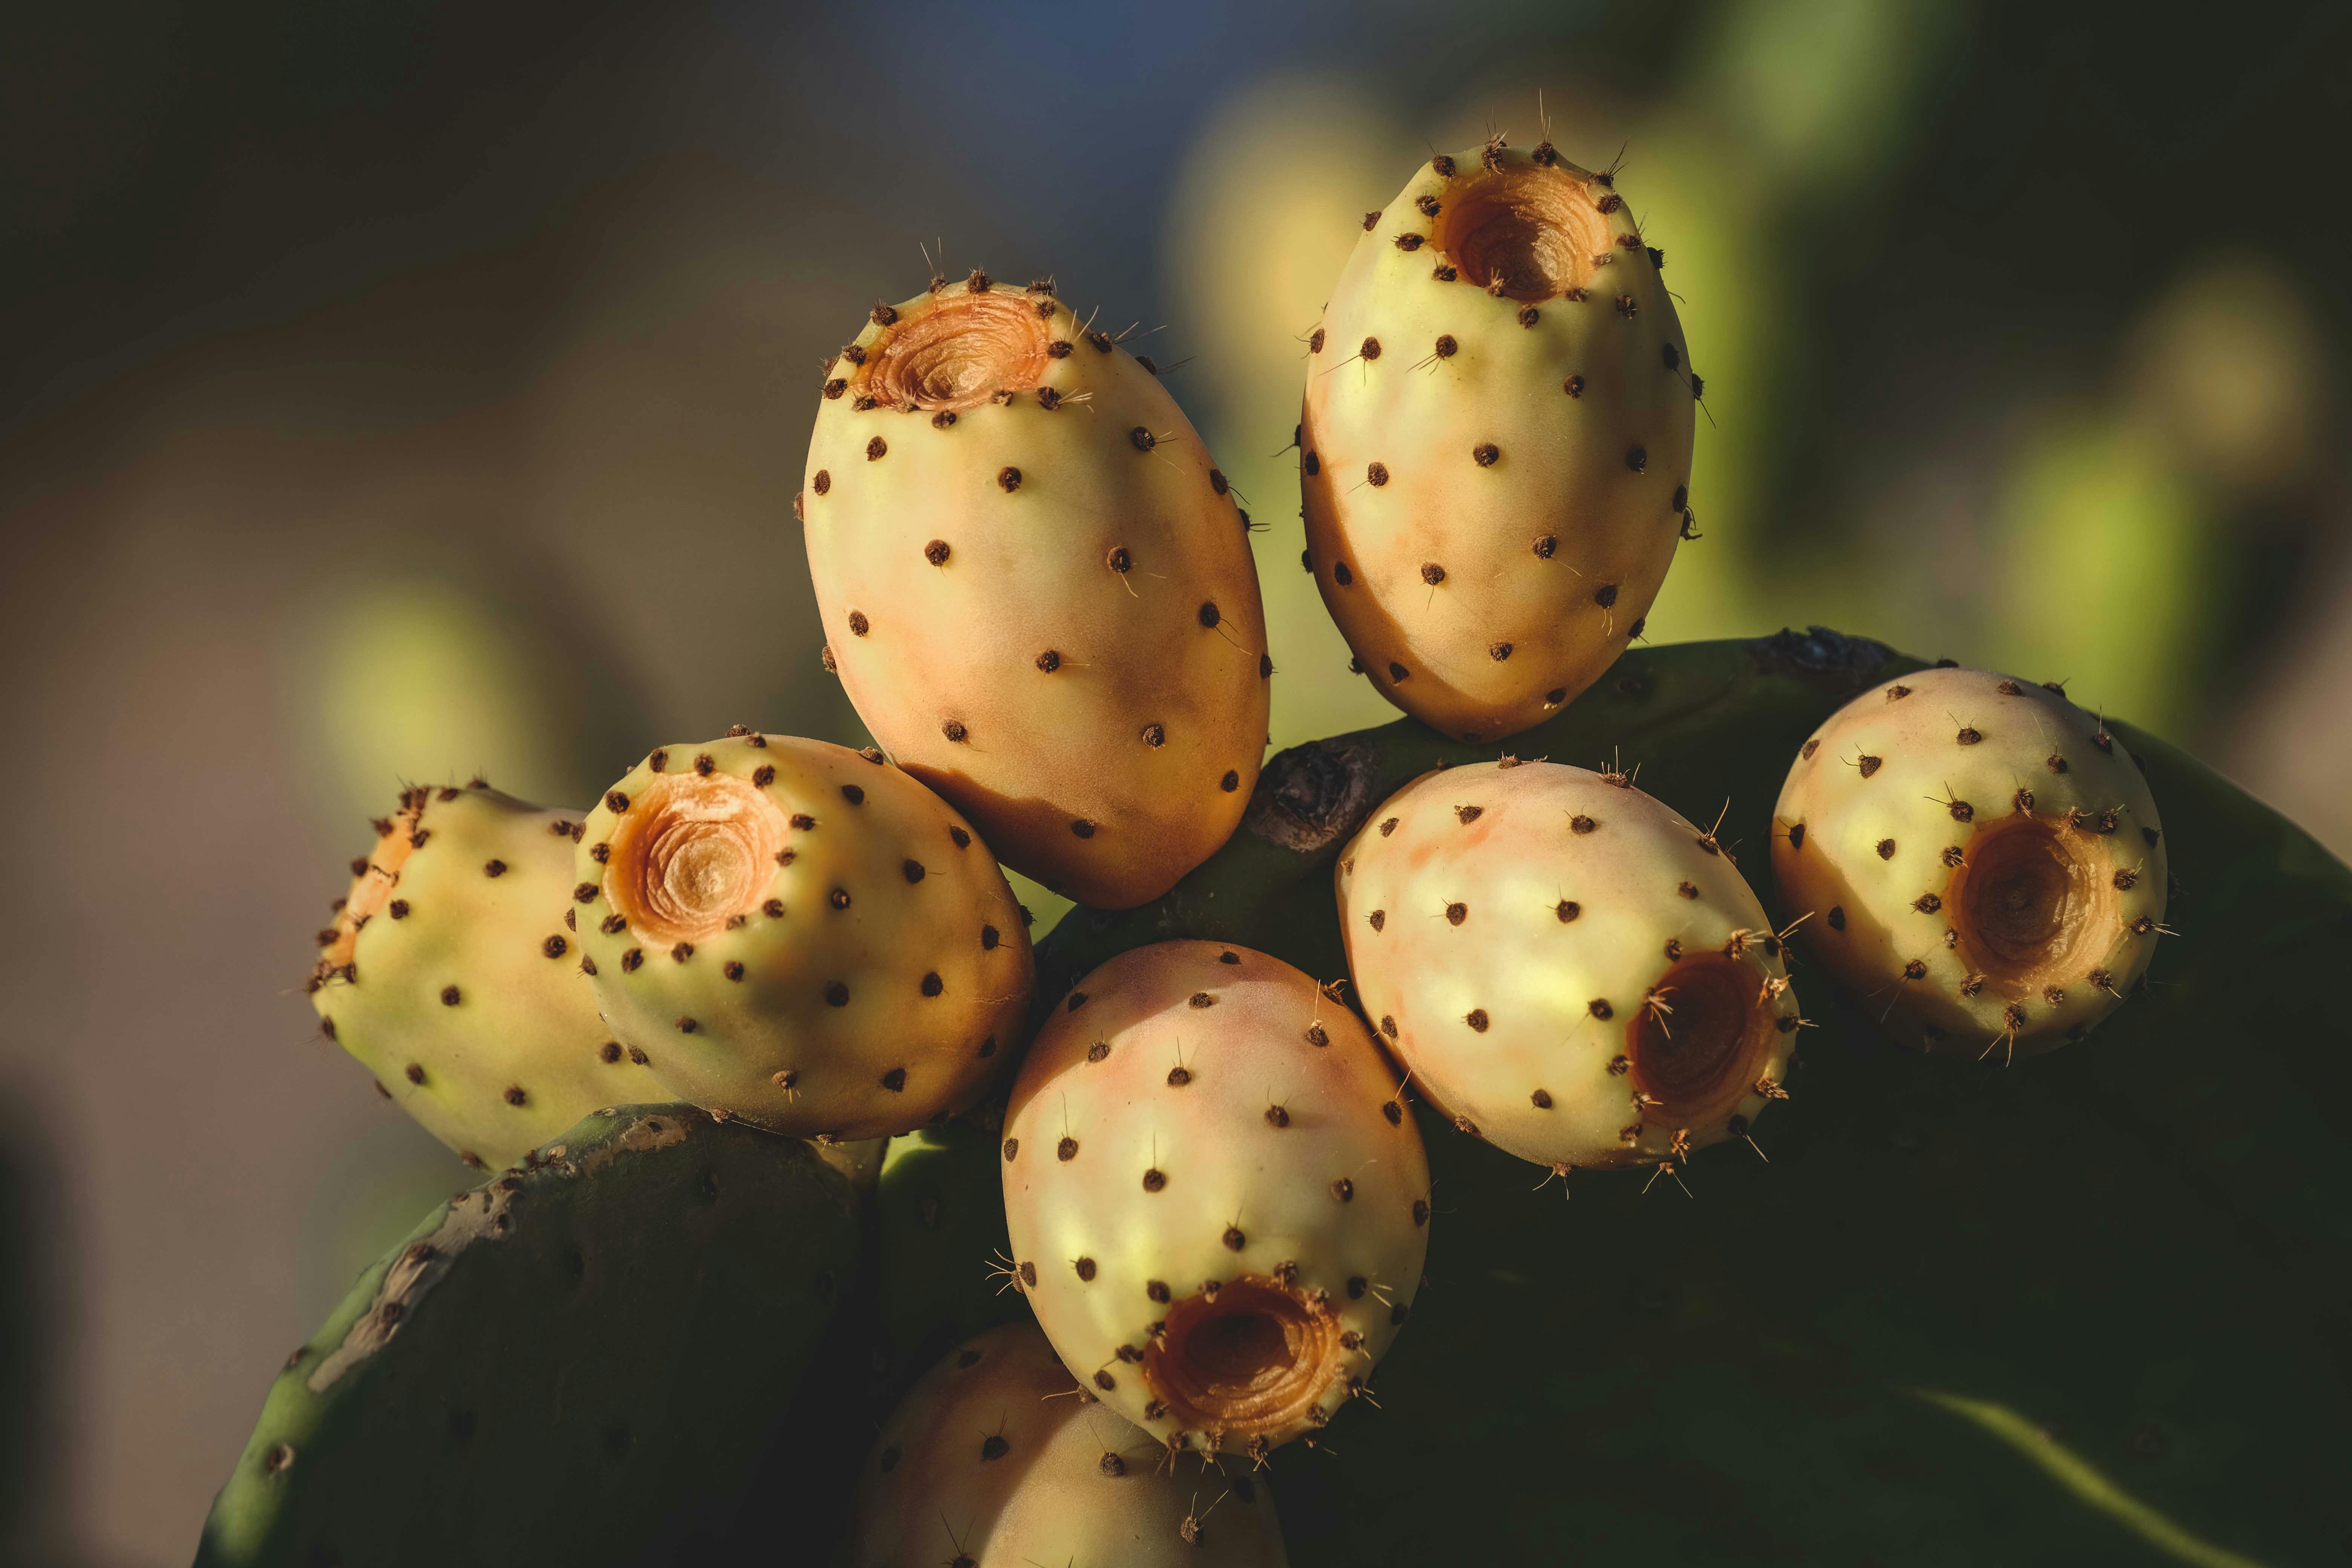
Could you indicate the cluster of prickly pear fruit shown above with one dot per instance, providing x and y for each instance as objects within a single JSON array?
[{"x": 1193, "y": 1155}]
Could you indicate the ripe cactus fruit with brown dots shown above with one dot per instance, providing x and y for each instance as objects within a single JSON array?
[
  {"x": 1572, "y": 971},
  {"x": 1037, "y": 588},
  {"x": 451, "y": 973},
  {"x": 1497, "y": 445},
  {"x": 1978, "y": 857},
  {"x": 1218, "y": 1206},
  {"x": 801, "y": 935},
  {"x": 997, "y": 1459}
]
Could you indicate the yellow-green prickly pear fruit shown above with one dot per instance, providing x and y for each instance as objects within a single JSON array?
[
  {"x": 801, "y": 935},
  {"x": 1978, "y": 856},
  {"x": 1218, "y": 1206},
  {"x": 998, "y": 1459},
  {"x": 1572, "y": 971},
  {"x": 1497, "y": 445},
  {"x": 451, "y": 973},
  {"x": 1037, "y": 587}
]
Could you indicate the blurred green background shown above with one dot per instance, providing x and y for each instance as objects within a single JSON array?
[{"x": 396, "y": 391}]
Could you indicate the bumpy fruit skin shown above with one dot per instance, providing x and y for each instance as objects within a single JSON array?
[
  {"x": 1572, "y": 971},
  {"x": 1496, "y": 444},
  {"x": 801, "y": 935},
  {"x": 1037, "y": 588},
  {"x": 997, "y": 1459},
  {"x": 1205, "y": 1158},
  {"x": 1978, "y": 856},
  {"x": 573, "y": 1362},
  {"x": 452, "y": 974}
]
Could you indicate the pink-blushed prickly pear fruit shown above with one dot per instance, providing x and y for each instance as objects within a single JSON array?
[
  {"x": 1497, "y": 445},
  {"x": 998, "y": 1459},
  {"x": 1975, "y": 856},
  {"x": 450, "y": 972},
  {"x": 1037, "y": 587},
  {"x": 1572, "y": 971},
  {"x": 1217, "y": 1204},
  {"x": 801, "y": 935}
]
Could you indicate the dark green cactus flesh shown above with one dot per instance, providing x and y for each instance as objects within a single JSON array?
[
  {"x": 581, "y": 1361},
  {"x": 941, "y": 1226},
  {"x": 2091, "y": 1307}
]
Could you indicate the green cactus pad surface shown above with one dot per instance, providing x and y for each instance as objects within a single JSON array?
[
  {"x": 2086, "y": 1307},
  {"x": 940, "y": 1258},
  {"x": 585, "y": 1360}
]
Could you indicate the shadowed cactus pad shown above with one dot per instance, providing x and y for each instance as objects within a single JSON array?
[
  {"x": 1037, "y": 587},
  {"x": 1497, "y": 441},
  {"x": 577, "y": 1362},
  {"x": 1975, "y": 857},
  {"x": 451, "y": 973},
  {"x": 1573, "y": 972},
  {"x": 1218, "y": 1206},
  {"x": 801, "y": 936},
  {"x": 998, "y": 1459},
  {"x": 2087, "y": 1310}
]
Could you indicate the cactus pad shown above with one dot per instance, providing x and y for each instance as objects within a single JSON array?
[{"x": 581, "y": 1361}]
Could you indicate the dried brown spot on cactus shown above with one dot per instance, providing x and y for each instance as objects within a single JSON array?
[
  {"x": 2029, "y": 904},
  {"x": 1252, "y": 1356},
  {"x": 955, "y": 352},
  {"x": 1521, "y": 231}
]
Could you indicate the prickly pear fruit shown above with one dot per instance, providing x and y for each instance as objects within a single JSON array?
[
  {"x": 1037, "y": 587},
  {"x": 1978, "y": 856},
  {"x": 1497, "y": 446},
  {"x": 801, "y": 935},
  {"x": 451, "y": 973},
  {"x": 1217, "y": 1204},
  {"x": 573, "y": 1362},
  {"x": 1572, "y": 971},
  {"x": 997, "y": 1459}
]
